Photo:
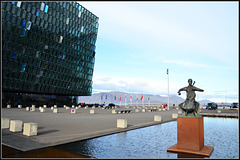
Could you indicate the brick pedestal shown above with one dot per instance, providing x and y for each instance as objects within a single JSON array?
[{"x": 190, "y": 137}]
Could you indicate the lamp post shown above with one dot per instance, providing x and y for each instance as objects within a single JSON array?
[{"x": 168, "y": 89}]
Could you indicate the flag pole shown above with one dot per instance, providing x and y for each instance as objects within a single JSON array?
[{"x": 168, "y": 89}]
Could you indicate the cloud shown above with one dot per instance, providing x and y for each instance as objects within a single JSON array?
[{"x": 133, "y": 85}]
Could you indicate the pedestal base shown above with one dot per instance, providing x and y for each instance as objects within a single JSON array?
[
  {"x": 205, "y": 151},
  {"x": 190, "y": 132}
]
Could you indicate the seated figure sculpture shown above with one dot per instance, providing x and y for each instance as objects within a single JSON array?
[{"x": 190, "y": 107}]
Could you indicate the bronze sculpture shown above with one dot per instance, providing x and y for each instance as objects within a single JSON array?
[{"x": 190, "y": 107}]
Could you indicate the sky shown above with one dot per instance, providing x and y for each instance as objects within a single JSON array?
[{"x": 138, "y": 41}]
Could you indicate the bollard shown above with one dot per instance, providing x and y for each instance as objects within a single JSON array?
[
  {"x": 30, "y": 129},
  {"x": 42, "y": 110},
  {"x": 160, "y": 109},
  {"x": 114, "y": 112},
  {"x": 137, "y": 110},
  {"x": 16, "y": 126},
  {"x": 73, "y": 106},
  {"x": 33, "y": 106},
  {"x": 27, "y": 108},
  {"x": 8, "y": 106},
  {"x": 157, "y": 118},
  {"x": 93, "y": 107},
  {"x": 92, "y": 111},
  {"x": 121, "y": 123},
  {"x": 55, "y": 106},
  {"x": 179, "y": 112},
  {"x": 67, "y": 107},
  {"x": 55, "y": 110},
  {"x": 73, "y": 111},
  {"x": 19, "y": 106},
  {"x": 174, "y": 115},
  {"x": 44, "y": 106},
  {"x": 86, "y": 107},
  {"x": 5, "y": 123},
  {"x": 163, "y": 109},
  {"x": 143, "y": 110},
  {"x": 52, "y": 108},
  {"x": 218, "y": 111}
]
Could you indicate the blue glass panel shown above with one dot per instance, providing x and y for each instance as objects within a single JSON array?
[
  {"x": 64, "y": 3},
  {"x": 13, "y": 56},
  {"x": 63, "y": 56},
  {"x": 23, "y": 32},
  {"x": 79, "y": 8},
  {"x": 37, "y": 13},
  {"x": 37, "y": 63},
  {"x": 46, "y": 9},
  {"x": 24, "y": 23},
  {"x": 13, "y": 2},
  {"x": 23, "y": 67}
]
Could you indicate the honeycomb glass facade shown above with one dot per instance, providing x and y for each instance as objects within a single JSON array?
[{"x": 48, "y": 48}]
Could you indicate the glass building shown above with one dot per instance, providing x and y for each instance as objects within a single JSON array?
[{"x": 48, "y": 48}]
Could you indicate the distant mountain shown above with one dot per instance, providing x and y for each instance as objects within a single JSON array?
[
  {"x": 114, "y": 97},
  {"x": 204, "y": 102}
]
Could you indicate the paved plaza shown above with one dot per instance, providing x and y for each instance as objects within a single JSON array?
[{"x": 64, "y": 126}]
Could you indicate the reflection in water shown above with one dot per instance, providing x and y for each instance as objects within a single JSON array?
[
  {"x": 153, "y": 141},
  {"x": 49, "y": 152}
]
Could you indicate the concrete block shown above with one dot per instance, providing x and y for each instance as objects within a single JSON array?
[
  {"x": 27, "y": 108},
  {"x": 8, "y": 106},
  {"x": 55, "y": 110},
  {"x": 42, "y": 110},
  {"x": 179, "y": 112},
  {"x": 32, "y": 109},
  {"x": 136, "y": 110},
  {"x": 92, "y": 111},
  {"x": 19, "y": 106},
  {"x": 73, "y": 111},
  {"x": 157, "y": 118},
  {"x": 44, "y": 106},
  {"x": 218, "y": 111},
  {"x": 16, "y": 126},
  {"x": 174, "y": 115},
  {"x": 121, "y": 123},
  {"x": 30, "y": 129},
  {"x": 114, "y": 112},
  {"x": 5, "y": 123},
  {"x": 143, "y": 110}
]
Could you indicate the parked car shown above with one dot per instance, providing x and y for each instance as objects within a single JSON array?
[
  {"x": 234, "y": 105},
  {"x": 212, "y": 106}
]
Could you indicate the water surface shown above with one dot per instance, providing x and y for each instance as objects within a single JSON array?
[{"x": 153, "y": 141}]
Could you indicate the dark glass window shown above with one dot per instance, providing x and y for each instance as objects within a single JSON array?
[{"x": 8, "y": 7}]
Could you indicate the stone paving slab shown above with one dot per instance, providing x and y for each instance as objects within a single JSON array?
[{"x": 65, "y": 127}]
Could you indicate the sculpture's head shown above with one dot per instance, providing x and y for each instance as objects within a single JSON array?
[{"x": 190, "y": 81}]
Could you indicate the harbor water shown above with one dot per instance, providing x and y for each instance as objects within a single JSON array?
[{"x": 153, "y": 141}]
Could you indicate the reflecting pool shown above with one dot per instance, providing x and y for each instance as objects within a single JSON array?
[{"x": 153, "y": 141}]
